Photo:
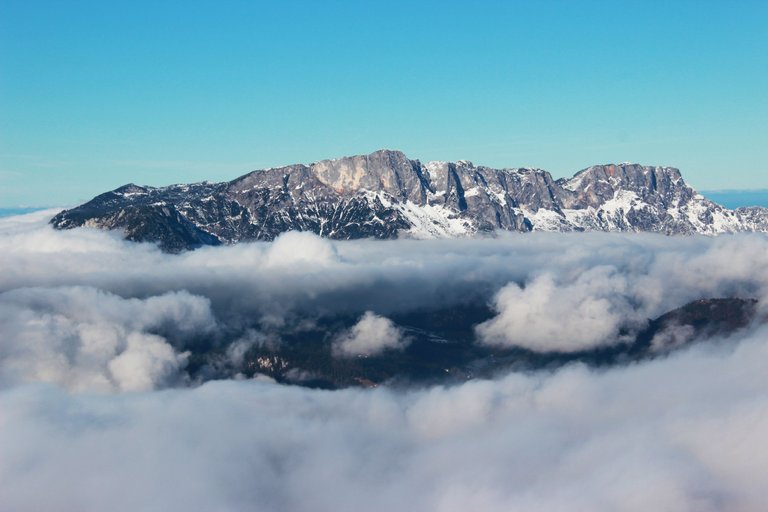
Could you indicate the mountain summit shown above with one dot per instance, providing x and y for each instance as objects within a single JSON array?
[{"x": 385, "y": 195}]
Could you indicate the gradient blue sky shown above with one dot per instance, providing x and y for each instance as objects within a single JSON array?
[{"x": 97, "y": 94}]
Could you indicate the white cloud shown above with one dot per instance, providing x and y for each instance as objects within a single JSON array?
[
  {"x": 300, "y": 272},
  {"x": 85, "y": 311},
  {"x": 371, "y": 335},
  {"x": 145, "y": 362},
  {"x": 679, "y": 433},
  {"x": 672, "y": 337},
  {"x": 88, "y": 340},
  {"x": 545, "y": 317},
  {"x": 562, "y": 292},
  {"x": 294, "y": 249}
]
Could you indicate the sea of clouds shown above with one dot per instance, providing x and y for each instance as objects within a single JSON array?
[{"x": 97, "y": 411}]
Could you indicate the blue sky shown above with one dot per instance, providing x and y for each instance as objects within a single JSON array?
[{"x": 97, "y": 94}]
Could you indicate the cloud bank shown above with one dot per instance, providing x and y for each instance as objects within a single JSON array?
[
  {"x": 98, "y": 410},
  {"x": 685, "y": 433},
  {"x": 550, "y": 292}
]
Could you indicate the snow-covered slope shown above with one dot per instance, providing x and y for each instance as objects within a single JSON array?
[{"x": 386, "y": 195}]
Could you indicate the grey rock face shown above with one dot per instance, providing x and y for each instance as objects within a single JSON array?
[{"x": 386, "y": 195}]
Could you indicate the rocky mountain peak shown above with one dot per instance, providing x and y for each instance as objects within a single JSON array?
[
  {"x": 386, "y": 170},
  {"x": 131, "y": 188},
  {"x": 597, "y": 184},
  {"x": 624, "y": 174}
]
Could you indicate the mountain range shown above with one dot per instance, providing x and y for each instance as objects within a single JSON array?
[{"x": 387, "y": 195}]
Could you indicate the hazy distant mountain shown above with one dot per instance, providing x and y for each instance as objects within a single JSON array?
[{"x": 387, "y": 195}]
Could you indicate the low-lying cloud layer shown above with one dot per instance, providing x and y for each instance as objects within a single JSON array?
[
  {"x": 88, "y": 311},
  {"x": 85, "y": 312},
  {"x": 685, "y": 433}
]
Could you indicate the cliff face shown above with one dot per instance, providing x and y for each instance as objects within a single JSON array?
[{"x": 386, "y": 195}]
